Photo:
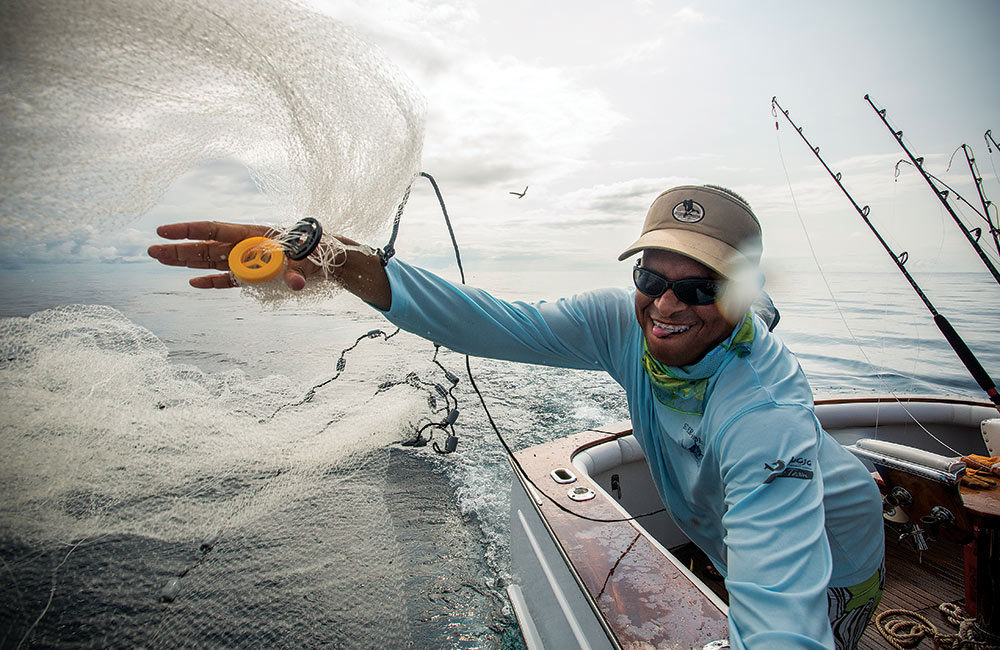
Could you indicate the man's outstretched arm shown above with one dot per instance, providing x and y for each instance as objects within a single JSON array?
[{"x": 211, "y": 241}]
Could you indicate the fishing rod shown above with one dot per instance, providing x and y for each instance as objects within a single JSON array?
[
  {"x": 974, "y": 170},
  {"x": 977, "y": 232},
  {"x": 954, "y": 340},
  {"x": 950, "y": 190},
  {"x": 990, "y": 143},
  {"x": 942, "y": 195}
]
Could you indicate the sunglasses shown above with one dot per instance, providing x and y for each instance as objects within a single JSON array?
[{"x": 692, "y": 291}]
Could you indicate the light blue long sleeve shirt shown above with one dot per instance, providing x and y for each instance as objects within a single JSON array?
[{"x": 781, "y": 509}]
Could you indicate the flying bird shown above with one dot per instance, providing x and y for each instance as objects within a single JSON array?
[{"x": 520, "y": 195}]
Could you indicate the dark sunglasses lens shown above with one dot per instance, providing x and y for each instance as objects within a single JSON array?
[
  {"x": 648, "y": 282},
  {"x": 696, "y": 292}
]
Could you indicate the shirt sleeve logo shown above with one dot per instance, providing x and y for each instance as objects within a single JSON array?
[
  {"x": 797, "y": 467},
  {"x": 693, "y": 442}
]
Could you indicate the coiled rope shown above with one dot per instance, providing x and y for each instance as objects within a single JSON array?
[{"x": 904, "y": 629}]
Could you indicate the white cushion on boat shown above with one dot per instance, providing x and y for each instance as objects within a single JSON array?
[
  {"x": 911, "y": 454},
  {"x": 606, "y": 456},
  {"x": 854, "y": 414}
]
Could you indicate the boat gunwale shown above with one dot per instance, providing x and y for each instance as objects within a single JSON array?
[{"x": 682, "y": 596}]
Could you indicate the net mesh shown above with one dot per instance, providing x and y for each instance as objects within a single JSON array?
[
  {"x": 146, "y": 503},
  {"x": 104, "y": 103}
]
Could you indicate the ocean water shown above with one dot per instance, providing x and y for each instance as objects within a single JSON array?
[
  {"x": 187, "y": 469},
  {"x": 160, "y": 440}
]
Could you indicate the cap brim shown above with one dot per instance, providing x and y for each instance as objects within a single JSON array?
[{"x": 716, "y": 255}]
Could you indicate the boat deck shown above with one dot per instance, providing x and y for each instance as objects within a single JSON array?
[
  {"x": 919, "y": 583},
  {"x": 916, "y": 582}
]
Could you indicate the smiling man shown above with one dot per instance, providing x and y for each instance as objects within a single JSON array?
[
  {"x": 678, "y": 333},
  {"x": 719, "y": 406}
]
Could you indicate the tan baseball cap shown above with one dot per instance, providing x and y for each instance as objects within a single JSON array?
[{"x": 704, "y": 223}]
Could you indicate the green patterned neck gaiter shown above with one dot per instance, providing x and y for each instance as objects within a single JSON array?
[{"x": 682, "y": 389}]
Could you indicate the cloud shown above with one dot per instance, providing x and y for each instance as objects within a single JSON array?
[
  {"x": 636, "y": 54},
  {"x": 219, "y": 190},
  {"x": 86, "y": 244},
  {"x": 623, "y": 200},
  {"x": 690, "y": 16},
  {"x": 491, "y": 119},
  {"x": 650, "y": 53},
  {"x": 496, "y": 120}
]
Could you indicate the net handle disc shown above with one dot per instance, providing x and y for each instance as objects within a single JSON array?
[
  {"x": 303, "y": 238},
  {"x": 256, "y": 259}
]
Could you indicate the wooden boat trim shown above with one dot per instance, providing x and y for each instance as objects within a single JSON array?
[{"x": 643, "y": 597}]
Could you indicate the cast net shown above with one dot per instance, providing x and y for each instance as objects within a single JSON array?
[
  {"x": 104, "y": 103},
  {"x": 147, "y": 503}
]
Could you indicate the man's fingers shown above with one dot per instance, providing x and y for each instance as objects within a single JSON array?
[
  {"x": 218, "y": 281},
  {"x": 211, "y": 230},
  {"x": 197, "y": 255},
  {"x": 294, "y": 279}
]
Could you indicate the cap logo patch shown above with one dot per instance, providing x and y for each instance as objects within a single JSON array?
[{"x": 689, "y": 211}]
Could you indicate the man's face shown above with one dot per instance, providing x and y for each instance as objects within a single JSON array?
[{"x": 678, "y": 334}]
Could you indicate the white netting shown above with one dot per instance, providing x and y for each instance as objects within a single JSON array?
[
  {"x": 124, "y": 475},
  {"x": 122, "y": 471},
  {"x": 103, "y": 103}
]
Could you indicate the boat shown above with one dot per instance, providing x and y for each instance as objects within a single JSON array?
[{"x": 639, "y": 583}]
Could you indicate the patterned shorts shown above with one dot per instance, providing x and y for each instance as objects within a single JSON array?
[{"x": 850, "y": 608}]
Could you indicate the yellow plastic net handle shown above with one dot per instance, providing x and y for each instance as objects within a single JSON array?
[{"x": 256, "y": 259}]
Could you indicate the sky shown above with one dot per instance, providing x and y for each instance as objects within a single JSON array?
[{"x": 597, "y": 107}]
